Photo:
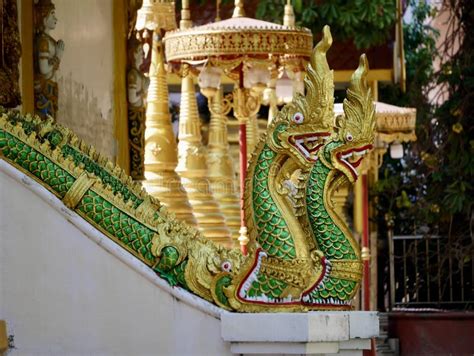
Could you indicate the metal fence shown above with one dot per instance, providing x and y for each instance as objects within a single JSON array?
[{"x": 430, "y": 272}]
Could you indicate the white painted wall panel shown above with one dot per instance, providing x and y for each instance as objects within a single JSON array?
[
  {"x": 86, "y": 73},
  {"x": 62, "y": 294}
]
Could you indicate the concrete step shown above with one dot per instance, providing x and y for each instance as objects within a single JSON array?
[{"x": 384, "y": 344}]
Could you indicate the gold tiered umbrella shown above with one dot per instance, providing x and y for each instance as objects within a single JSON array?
[
  {"x": 238, "y": 39},
  {"x": 248, "y": 51}
]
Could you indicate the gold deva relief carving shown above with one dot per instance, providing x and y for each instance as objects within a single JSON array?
[{"x": 47, "y": 57}]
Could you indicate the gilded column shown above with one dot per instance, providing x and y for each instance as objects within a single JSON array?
[
  {"x": 339, "y": 199},
  {"x": 272, "y": 100},
  {"x": 192, "y": 167},
  {"x": 161, "y": 156},
  {"x": 220, "y": 166},
  {"x": 253, "y": 135}
]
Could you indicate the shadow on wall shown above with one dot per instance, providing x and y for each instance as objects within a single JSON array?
[{"x": 81, "y": 111}]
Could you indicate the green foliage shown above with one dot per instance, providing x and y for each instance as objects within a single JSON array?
[
  {"x": 366, "y": 22},
  {"x": 431, "y": 189}
]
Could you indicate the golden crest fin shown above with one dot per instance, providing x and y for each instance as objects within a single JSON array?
[
  {"x": 319, "y": 83},
  {"x": 358, "y": 107}
]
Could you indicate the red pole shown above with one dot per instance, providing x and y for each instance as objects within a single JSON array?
[
  {"x": 243, "y": 173},
  {"x": 365, "y": 242},
  {"x": 366, "y": 257}
]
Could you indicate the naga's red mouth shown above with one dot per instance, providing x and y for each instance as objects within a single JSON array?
[
  {"x": 309, "y": 144},
  {"x": 352, "y": 158}
]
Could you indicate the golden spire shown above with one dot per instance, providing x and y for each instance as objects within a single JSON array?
[
  {"x": 192, "y": 166},
  {"x": 218, "y": 10},
  {"x": 289, "y": 17},
  {"x": 238, "y": 9},
  {"x": 221, "y": 170},
  {"x": 160, "y": 143}
]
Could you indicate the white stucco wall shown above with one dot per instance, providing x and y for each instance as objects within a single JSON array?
[
  {"x": 62, "y": 294},
  {"x": 86, "y": 73}
]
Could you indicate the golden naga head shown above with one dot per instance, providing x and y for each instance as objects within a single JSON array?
[
  {"x": 304, "y": 125},
  {"x": 356, "y": 129}
]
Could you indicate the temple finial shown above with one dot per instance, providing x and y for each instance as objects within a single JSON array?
[
  {"x": 185, "y": 16},
  {"x": 218, "y": 10},
  {"x": 289, "y": 17},
  {"x": 238, "y": 9}
]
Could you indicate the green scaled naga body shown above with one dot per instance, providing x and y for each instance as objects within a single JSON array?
[
  {"x": 301, "y": 255},
  {"x": 337, "y": 164}
]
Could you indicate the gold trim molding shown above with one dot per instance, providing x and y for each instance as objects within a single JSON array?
[
  {"x": 382, "y": 75},
  {"x": 119, "y": 9},
  {"x": 26, "y": 33},
  {"x": 396, "y": 126},
  {"x": 390, "y": 122}
]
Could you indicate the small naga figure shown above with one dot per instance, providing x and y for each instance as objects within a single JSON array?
[
  {"x": 137, "y": 84},
  {"x": 47, "y": 56}
]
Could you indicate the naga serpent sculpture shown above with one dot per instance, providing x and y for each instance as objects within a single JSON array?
[{"x": 302, "y": 256}]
